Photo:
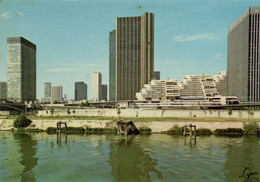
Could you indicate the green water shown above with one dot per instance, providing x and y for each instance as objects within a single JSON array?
[{"x": 42, "y": 157}]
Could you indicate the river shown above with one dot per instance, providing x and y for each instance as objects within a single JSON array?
[{"x": 158, "y": 157}]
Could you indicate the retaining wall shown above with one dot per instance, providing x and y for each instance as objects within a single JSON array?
[
  {"x": 156, "y": 113},
  {"x": 156, "y": 126}
]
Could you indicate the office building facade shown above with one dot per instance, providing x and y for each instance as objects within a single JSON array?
[
  {"x": 156, "y": 75},
  {"x": 134, "y": 54},
  {"x": 3, "y": 91},
  {"x": 47, "y": 89},
  {"x": 81, "y": 91},
  {"x": 21, "y": 69},
  {"x": 56, "y": 93},
  {"x": 96, "y": 86},
  {"x": 104, "y": 92},
  {"x": 243, "y": 72},
  {"x": 112, "y": 65}
]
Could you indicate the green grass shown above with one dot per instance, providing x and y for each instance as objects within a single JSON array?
[
  {"x": 229, "y": 131},
  {"x": 203, "y": 131},
  {"x": 63, "y": 129},
  {"x": 145, "y": 129},
  {"x": 251, "y": 128}
]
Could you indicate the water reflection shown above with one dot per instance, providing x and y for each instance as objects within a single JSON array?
[
  {"x": 129, "y": 161},
  {"x": 28, "y": 150},
  {"x": 60, "y": 138},
  {"x": 192, "y": 141},
  {"x": 243, "y": 157}
]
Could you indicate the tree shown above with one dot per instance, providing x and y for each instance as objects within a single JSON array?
[
  {"x": 21, "y": 121},
  {"x": 52, "y": 110},
  {"x": 68, "y": 110},
  {"x": 81, "y": 105},
  {"x": 87, "y": 103},
  {"x": 118, "y": 112}
]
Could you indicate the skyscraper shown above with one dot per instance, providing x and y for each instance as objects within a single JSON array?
[
  {"x": 47, "y": 89},
  {"x": 96, "y": 86},
  {"x": 243, "y": 56},
  {"x": 56, "y": 93},
  {"x": 21, "y": 69},
  {"x": 156, "y": 75},
  {"x": 112, "y": 65},
  {"x": 3, "y": 91},
  {"x": 104, "y": 92},
  {"x": 134, "y": 54},
  {"x": 81, "y": 91}
]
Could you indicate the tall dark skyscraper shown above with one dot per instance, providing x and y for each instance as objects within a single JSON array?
[
  {"x": 243, "y": 56},
  {"x": 21, "y": 69},
  {"x": 134, "y": 54},
  {"x": 104, "y": 92},
  {"x": 112, "y": 65},
  {"x": 81, "y": 91}
]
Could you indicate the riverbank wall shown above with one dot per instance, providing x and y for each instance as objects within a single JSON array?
[
  {"x": 156, "y": 126},
  {"x": 131, "y": 113}
]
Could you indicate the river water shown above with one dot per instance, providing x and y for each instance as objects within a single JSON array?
[{"x": 158, "y": 157}]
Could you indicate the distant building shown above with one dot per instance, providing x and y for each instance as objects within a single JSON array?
[
  {"x": 3, "y": 91},
  {"x": 112, "y": 65},
  {"x": 134, "y": 54},
  {"x": 56, "y": 93},
  {"x": 221, "y": 82},
  {"x": 81, "y": 91},
  {"x": 96, "y": 86},
  {"x": 243, "y": 57},
  {"x": 104, "y": 92},
  {"x": 160, "y": 90},
  {"x": 47, "y": 89},
  {"x": 21, "y": 69},
  {"x": 156, "y": 75}
]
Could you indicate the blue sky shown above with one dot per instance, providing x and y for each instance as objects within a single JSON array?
[{"x": 72, "y": 35}]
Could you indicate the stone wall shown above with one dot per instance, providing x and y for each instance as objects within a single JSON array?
[
  {"x": 156, "y": 113},
  {"x": 156, "y": 126}
]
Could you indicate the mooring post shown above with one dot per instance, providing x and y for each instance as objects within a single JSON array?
[
  {"x": 195, "y": 130},
  {"x": 67, "y": 131},
  {"x": 184, "y": 131},
  {"x": 190, "y": 129}
]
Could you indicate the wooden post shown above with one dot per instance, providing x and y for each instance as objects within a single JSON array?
[
  {"x": 184, "y": 131},
  {"x": 190, "y": 129}
]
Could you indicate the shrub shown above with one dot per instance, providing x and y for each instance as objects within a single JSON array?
[
  {"x": 229, "y": 131},
  {"x": 144, "y": 129},
  {"x": 203, "y": 131},
  {"x": 251, "y": 128},
  {"x": 52, "y": 110},
  {"x": 21, "y": 121},
  {"x": 32, "y": 130},
  {"x": 51, "y": 129},
  {"x": 89, "y": 129},
  {"x": 177, "y": 130},
  {"x": 111, "y": 129},
  {"x": 63, "y": 129},
  {"x": 230, "y": 111}
]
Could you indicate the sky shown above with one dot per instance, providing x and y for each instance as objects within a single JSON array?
[{"x": 72, "y": 36}]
